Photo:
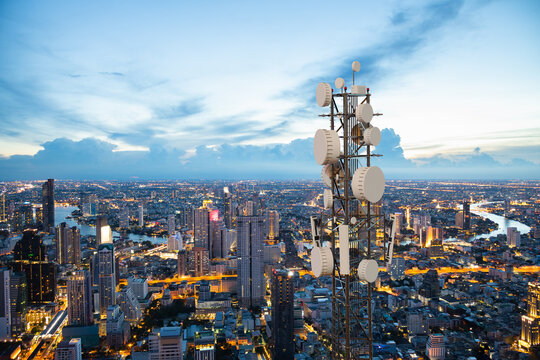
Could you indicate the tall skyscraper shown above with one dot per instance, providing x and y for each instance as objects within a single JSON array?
[
  {"x": 282, "y": 315},
  {"x": 182, "y": 263},
  {"x": 124, "y": 218},
  {"x": 466, "y": 215},
  {"x": 127, "y": 300},
  {"x": 29, "y": 257},
  {"x": 513, "y": 237},
  {"x": 107, "y": 277},
  {"x": 68, "y": 350},
  {"x": 3, "y": 212},
  {"x": 251, "y": 287},
  {"x": 68, "y": 244},
  {"x": 171, "y": 225},
  {"x": 218, "y": 239},
  {"x": 19, "y": 302},
  {"x": 530, "y": 323},
  {"x": 103, "y": 231},
  {"x": 227, "y": 208},
  {"x": 5, "y": 303},
  {"x": 48, "y": 205},
  {"x": 141, "y": 215},
  {"x": 79, "y": 298},
  {"x": 272, "y": 224},
  {"x": 506, "y": 207},
  {"x": 201, "y": 227}
]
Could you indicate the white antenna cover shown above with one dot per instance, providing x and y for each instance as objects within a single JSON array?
[
  {"x": 326, "y": 146},
  {"x": 368, "y": 270},
  {"x": 322, "y": 261},
  {"x": 324, "y": 94},
  {"x": 364, "y": 113},
  {"x": 328, "y": 198},
  {"x": 372, "y": 136},
  {"x": 358, "y": 90},
  {"x": 340, "y": 82},
  {"x": 368, "y": 184},
  {"x": 356, "y": 66}
]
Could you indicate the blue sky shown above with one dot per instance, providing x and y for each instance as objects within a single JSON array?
[{"x": 226, "y": 89}]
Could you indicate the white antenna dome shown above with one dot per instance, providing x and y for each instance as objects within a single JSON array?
[
  {"x": 324, "y": 94},
  {"x": 322, "y": 261},
  {"x": 356, "y": 66},
  {"x": 328, "y": 198},
  {"x": 372, "y": 136},
  {"x": 326, "y": 146},
  {"x": 368, "y": 184},
  {"x": 364, "y": 113},
  {"x": 340, "y": 83},
  {"x": 368, "y": 270},
  {"x": 327, "y": 175}
]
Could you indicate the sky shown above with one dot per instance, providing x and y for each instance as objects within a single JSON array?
[{"x": 176, "y": 89}]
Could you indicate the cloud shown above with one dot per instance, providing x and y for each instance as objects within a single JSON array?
[{"x": 93, "y": 159}]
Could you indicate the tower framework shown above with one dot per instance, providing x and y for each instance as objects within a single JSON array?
[{"x": 352, "y": 226}]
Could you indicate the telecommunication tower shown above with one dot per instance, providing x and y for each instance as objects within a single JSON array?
[{"x": 345, "y": 241}]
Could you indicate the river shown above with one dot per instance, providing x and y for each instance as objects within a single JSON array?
[
  {"x": 502, "y": 222},
  {"x": 61, "y": 212}
]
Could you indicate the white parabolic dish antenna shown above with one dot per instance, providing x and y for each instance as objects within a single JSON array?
[
  {"x": 372, "y": 136},
  {"x": 322, "y": 261},
  {"x": 326, "y": 146},
  {"x": 324, "y": 94},
  {"x": 368, "y": 270},
  {"x": 368, "y": 184},
  {"x": 340, "y": 82},
  {"x": 356, "y": 66},
  {"x": 328, "y": 198},
  {"x": 364, "y": 113}
]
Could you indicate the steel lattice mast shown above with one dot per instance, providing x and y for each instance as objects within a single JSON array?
[{"x": 345, "y": 234}]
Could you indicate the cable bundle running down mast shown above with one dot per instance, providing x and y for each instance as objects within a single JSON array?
[{"x": 345, "y": 234}]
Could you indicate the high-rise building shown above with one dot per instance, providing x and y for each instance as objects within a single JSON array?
[
  {"x": 202, "y": 218},
  {"x": 199, "y": 261},
  {"x": 397, "y": 268},
  {"x": 513, "y": 237},
  {"x": 205, "y": 346},
  {"x": 182, "y": 263},
  {"x": 506, "y": 207},
  {"x": 103, "y": 231},
  {"x": 79, "y": 299},
  {"x": 141, "y": 215},
  {"x": 530, "y": 323},
  {"x": 174, "y": 241},
  {"x": 430, "y": 288},
  {"x": 139, "y": 287},
  {"x": 435, "y": 347},
  {"x": 129, "y": 305},
  {"x": 171, "y": 225},
  {"x": 19, "y": 302},
  {"x": 466, "y": 215},
  {"x": 251, "y": 285},
  {"x": 118, "y": 330},
  {"x": 107, "y": 277},
  {"x": 68, "y": 350},
  {"x": 165, "y": 344},
  {"x": 459, "y": 219},
  {"x": 218, "y": 239},
  {"x": 3, "y": 212},
  {"x": 227, "y": 208},
  {"x": 282, "y": 315},
  {"x": 272, "y": 224},
  {"x": 68, "y": 244},
  {"x": 48, "y": 205},
  {"x": 124, "y": 218},
  {"x": 30, "y": 257},
  {"x": 5, "y": 304},
  {"x": 250, "y": 208},
  {"x": 417, "y": 324}
]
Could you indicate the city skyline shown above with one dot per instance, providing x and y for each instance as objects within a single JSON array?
[{"x": 237, "y": 95}]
